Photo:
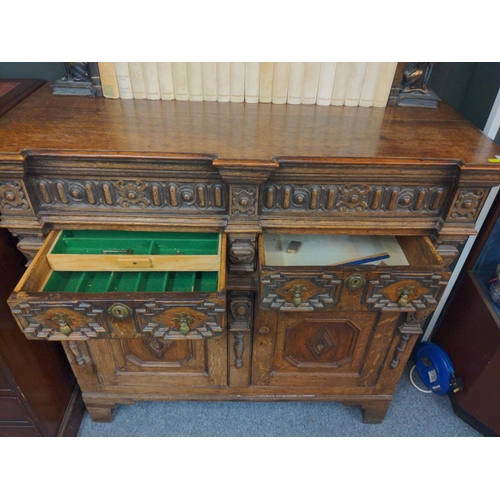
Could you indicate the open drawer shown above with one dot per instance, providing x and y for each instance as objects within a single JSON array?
[
  {"x": 119, "y": 284},
  {"x": 306, "y": 272}
]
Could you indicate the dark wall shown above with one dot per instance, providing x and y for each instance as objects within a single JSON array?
[
  {"x": 470, "y": 88},
  {"x": 49, "y": 71}
]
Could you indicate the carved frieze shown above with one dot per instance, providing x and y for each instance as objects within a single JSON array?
[
  {"x": 353, "y": 198},
  {"x": 132, "y": 194}
]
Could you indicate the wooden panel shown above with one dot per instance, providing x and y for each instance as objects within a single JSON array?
[{"x": 11, "y": 410}]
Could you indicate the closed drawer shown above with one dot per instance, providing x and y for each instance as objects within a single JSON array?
[
  {"x": 403, "y": 273},
  {"x": 86, "y": 285}
]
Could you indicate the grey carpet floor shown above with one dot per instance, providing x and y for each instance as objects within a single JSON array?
[{"x": 411, "y": 413}]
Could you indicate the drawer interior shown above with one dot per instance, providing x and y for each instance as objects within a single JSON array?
[
  {"x": 77, "y": 273},
  {"x": 354, "y": 250}
]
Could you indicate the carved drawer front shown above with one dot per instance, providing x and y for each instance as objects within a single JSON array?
[
  {"x": 349, "y": 272},
  {"x": 88, "y": 304}
]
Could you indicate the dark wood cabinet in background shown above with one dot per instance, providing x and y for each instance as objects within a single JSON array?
[
  {"x": 469, "y": 330},
  {"x": 39, "y": 395}
]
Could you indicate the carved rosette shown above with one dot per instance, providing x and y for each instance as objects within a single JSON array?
[
  {"x": 423, "y": 291},
  {"x": 317, "y": 291},
  {"x": 161, "y": 319},
  {"x": 132, "y": 194},
  {"x": 12, "y": 196},
  {"x": 352, "y": 198},
  {"x": 242, "y": 253},
  {"x": 38, "y": 320},
  {"x": 467, "y": 204},
  {"x": 243, "y": 201}
]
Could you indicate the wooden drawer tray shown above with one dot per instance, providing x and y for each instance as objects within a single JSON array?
[
  {"x": 170, "y": 298},
  {"x": 358, "y": 272}
]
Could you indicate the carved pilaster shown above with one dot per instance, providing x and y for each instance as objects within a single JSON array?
[
  {"x": 242, "y": 253},
  {"x": 240, "y": 321},
  {"x": 412, "y": 326}
]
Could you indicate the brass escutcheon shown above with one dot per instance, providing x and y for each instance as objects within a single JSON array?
[
  {"x": 354, "y": 282},
  {"x": 120, "y": 311}
]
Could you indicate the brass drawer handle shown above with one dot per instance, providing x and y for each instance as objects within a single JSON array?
[
  {"x": 183, "y": 321},
  {"x": 354, "y": 282},
  {"x": 404, "y": 294},
  {"x": 120, "y": 311},
  {"x": 64, "y": 320},
  {"x": 297, "y": 291}
]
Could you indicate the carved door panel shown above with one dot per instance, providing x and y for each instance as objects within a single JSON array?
[
  {"x": 158, "y": 363},
  {"x": 328, "y": 350}
]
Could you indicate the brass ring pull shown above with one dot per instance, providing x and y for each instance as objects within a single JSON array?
[
  {"x": 297, "y": 291},
  {"x": 404, "y": 294},
  {"x": 183, "y": 321},
  {"x": 64, "y": 320}
]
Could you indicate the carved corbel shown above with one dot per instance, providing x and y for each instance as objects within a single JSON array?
[{"x": 242, "y": 253}]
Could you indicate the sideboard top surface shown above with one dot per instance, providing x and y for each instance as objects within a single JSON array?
[{"x": 254, "y": 132}]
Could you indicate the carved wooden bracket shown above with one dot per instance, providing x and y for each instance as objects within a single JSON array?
[{"x": 242, "y": 252}]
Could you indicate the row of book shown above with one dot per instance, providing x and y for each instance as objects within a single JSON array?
[{"x": 325, "y": 83}]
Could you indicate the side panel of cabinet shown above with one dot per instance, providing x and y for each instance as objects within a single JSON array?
[{"x": 337, "y": 350}]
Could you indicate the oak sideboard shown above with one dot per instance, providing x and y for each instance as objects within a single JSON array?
[{"x": 223, "y": 251}]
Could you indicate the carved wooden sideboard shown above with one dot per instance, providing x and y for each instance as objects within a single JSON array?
[{"x": 252, "y": 173}]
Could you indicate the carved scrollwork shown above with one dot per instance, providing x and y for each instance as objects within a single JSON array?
[
  {"x": 132, "y": 194},
  {"x": 12, "y": 196},
  {"x": 318, "y": 291},
  {"x": 352, "y": 198}
]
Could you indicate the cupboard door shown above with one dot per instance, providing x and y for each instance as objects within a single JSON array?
[
  {"x": 150, "y": 364},
  {"x": 329, "y": 350}
]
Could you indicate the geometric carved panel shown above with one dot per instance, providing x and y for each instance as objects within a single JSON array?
[
  {"x": 322, "y": 343},
  {"x": 425, "y": 289},
  {"x": 319, "y": 291}
]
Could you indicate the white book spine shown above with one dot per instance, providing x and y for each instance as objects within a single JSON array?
[
  {"x": 195, "y": 80},
  {"x": 385, "y": 84},
  {"x": 266, "y": 82},
  {"x": 325, "y": 84},
  {"x": 355, "y": 85},
  {"x": 137, "y": 79},
  {"x": 123, "y": 79},
  {"x": 151, "y": 82},
  {"x": 252, "y": 74},
  {"x": 342, "y": 72},
  {"x": 296, "y": 82},
  {"x": 311, "y": 81},
  {"x": 179, "y": 74},
  {"x": 209, "y": 81},
  {"x": 280, "y": 82},
  {"x": 166, "y": 81},
  {"x": 223, "y": 81},
  {"x": 370, "y": 84},
  {"x": 237, "y": 82}
]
